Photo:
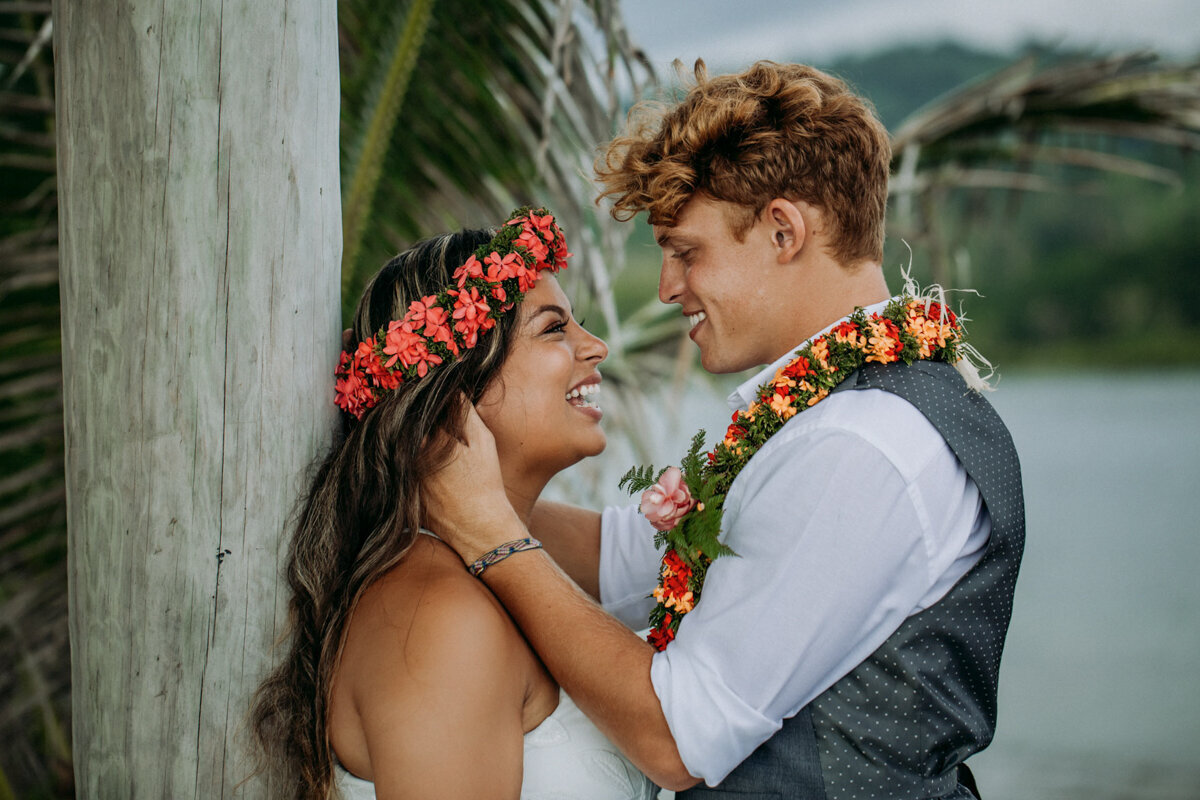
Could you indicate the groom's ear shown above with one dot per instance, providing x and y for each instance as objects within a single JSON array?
[{"x": 787, "y": 228}]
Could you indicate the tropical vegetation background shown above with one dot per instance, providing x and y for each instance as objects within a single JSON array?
[{"x": 1061, "y": 185}]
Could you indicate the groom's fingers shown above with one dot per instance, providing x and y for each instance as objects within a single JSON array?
[
  {"x": 466, "y": 492},
  {"x": 475, "y": 431}
]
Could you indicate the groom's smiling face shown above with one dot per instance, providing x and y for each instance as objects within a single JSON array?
[{"x": 723, "y": 286}]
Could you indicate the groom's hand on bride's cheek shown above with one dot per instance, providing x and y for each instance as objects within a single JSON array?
[{"x": 464, "y": 498}]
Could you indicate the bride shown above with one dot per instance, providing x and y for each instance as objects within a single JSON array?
[{"x": 404, "y": 676}]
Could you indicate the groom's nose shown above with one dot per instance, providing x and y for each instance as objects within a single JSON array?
[{"x": 670, "y": 280}]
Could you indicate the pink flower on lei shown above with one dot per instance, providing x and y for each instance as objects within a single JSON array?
[{"x": 665, "y": 503}]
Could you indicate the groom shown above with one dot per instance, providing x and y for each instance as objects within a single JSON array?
[{"x": 851, "y": 649}]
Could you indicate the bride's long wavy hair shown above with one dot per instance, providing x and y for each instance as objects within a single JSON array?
[{"x": 362, "y": 512}]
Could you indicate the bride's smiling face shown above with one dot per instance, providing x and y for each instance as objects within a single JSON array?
[{"x": 541, "y": 408}]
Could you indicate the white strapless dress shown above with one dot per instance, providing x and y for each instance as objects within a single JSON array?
[{"x": 566, "y": 758}]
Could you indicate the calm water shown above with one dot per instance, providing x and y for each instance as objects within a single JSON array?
[{"x": 1100, "y": 692}]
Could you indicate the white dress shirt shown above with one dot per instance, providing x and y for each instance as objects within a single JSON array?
[{"x": 851, "y": 518}]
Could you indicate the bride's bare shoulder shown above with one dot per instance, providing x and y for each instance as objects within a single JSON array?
[
  {"x": 426, "y": 609},
  {"x": 430, "y": 657}
]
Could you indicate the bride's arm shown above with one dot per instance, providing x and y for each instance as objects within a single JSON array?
[
  {"x": 571, "y": 535},
  {"x": 441, "y": 704}
]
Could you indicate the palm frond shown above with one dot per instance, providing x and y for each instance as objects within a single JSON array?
[
  {"x": 34, "y": 691},
  {"x": 366, "y": 160},
  {"x": 1032, "y": 127},
  {"x": 1023, "y": 114}
]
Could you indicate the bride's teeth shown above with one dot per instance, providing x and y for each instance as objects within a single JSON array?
[
  {"x": 697, "y": 318},
  {"x": 584, "y": 392}
]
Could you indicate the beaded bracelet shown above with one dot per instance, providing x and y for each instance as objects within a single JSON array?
[{"x": 498, "y": 554}]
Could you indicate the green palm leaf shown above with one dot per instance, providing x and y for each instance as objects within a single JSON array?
[
  {"x": 1019, "y": 128},
  {"x": 35, "y": 686},
  {"x": 376, "y": 134}
]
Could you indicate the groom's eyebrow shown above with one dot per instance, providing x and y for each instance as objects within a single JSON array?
[{"x": 670, "y": 238}]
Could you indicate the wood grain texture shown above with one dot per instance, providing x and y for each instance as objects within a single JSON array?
[{"x": 200, "y": 245}]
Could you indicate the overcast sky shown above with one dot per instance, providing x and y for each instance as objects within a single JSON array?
[{"x": 731, "y": 34}]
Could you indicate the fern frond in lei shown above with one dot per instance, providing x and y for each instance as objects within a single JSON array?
[{"x": 639, "y": 479}]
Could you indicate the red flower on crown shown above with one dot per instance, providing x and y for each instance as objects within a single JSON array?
[
  {"x": 408, "y": 347},
  {"x": 436, "y": 328},
  {"x": 353, "y": 393},
  {"x": 471, "y": 315},
  {"x": 470, "y": 269},
  {"x": 399, "y": 337},
  {"x": 373, "y": 365},
  {"x": 529, "y": 239},
  {"x": 418, "y": 310},
  {"x": 526, "y": 278},
  {"x": 419, "y": 356},
  {"x": 501, "y": 268}
]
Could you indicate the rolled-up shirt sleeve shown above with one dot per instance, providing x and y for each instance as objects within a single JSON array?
[
  {"x": 628, "y": 565},
  {"x": 833, "y": 555}
]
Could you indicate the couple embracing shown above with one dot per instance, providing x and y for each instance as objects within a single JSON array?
[{"x": 849, "y": 645}]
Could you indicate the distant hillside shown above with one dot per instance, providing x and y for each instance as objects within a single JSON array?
[{"x": 902, "y": 79}]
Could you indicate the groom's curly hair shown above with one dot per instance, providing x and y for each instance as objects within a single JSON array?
[{"x": 775, "y": 130}]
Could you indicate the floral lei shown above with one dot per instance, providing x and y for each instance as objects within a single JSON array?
[
  {"x": 685, "y": 505},
  {"x": 437, "y": 328}
]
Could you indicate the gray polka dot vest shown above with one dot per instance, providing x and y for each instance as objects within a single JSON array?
[{"x": 903, "y": 720}]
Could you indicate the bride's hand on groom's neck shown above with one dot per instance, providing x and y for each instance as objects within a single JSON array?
[{"x": 464, "y": 501}]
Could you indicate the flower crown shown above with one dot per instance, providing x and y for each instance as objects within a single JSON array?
[{"x": 437, "y": 328}]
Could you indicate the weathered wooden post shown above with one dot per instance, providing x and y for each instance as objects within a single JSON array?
[{"x": 200, "y": 247}]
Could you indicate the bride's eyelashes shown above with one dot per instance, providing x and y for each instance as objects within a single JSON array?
[{"x": 557, "y": 327}]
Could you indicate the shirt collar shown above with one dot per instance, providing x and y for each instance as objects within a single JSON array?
[{"x": 746, "y": 393}]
